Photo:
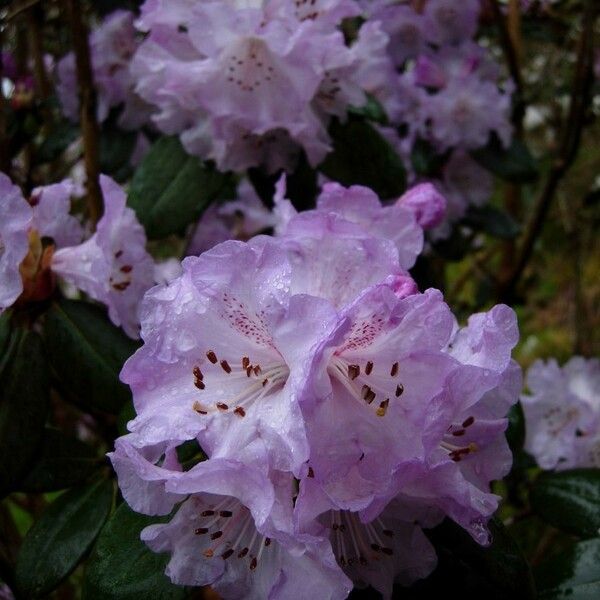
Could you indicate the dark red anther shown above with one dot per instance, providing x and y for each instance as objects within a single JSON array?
[{"x": 212, "y": 357}]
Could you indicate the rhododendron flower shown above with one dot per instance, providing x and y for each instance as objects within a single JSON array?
[
  {"x": 450, "y": 22},
  {"x": 15, "y": 221},
  {"x": 112, "y": 45},
  {"x": 252, "y": 84},
  {"x": 562, "y": 413},
  {"x": 239, "y": 219},
  {"x": 51, "y": 206},
  {"x": 427, "y": 204},
  {"x": 233, "y": 530},
  {"x": 112, "y": 266}
]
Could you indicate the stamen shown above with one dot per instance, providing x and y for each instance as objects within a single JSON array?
[
  {"x": 199, "y": 384},
  {"x": 257, "y": 370},
  {"x": 199, "y": 408},
  {"x": 399, "y": 390},
  {"x": 201, "y": 530},
  {"x": 225, "y": 366},
  {"x": 311, "y": 473},
  {"x": 383, "y": 406},
  {"x": 243, "y": 552},
  {"x": 207, "y": 513},
  {"x": 226, "y": 513},
  {"x": 222, "y": 406},
  {"x": 253, "y": 564},
  {"x": 209, "y": 553},
  {"x": 369, "y": 368},
  {"x": 227, "y": 553},
  {"x": 216, "y": 535},
  {"x": 245, "y": 362},
  {"x": 468, "y": 422},
  {"x": 239, "y": 411},
  {"x": 458, "y": 433},
  {"x": 353, "y": 371},
  {"x": 212, "y": 357},
  {"x": 394, "y": 370},
  {"x": 370, "y": 396}
]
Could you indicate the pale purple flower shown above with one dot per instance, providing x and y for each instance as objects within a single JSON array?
[
  {"x": 233, "y": 530},
  {"x": 112, "y": 266},
  {"x": 51, "y": 207},
  {"x": 427, "y": 204},
  {"x": 450, "y": 22},
  {"x": 15, "y": 221},
  {"x": 112, "y": 45},
  {"x": 239, "y": 219},
  {"x": 562, "y": 413},
  {"x": 254, "y": 83}
]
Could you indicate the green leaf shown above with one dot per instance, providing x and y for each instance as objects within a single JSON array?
[
  {"x": 515, "y": 434},
  {"x": 122, "y": 567},
  {"x": 497, "y": 572},
  {"x": 62, "y": 536},
  {"x": 426, "y": 161},
  {"x": 492, "y": 221},
  {"x": 62, "y": 462},
  {"x": 371, "y": 110},
  {"x": 116, "y": 148},
  {"x": 24, "y": 397},
  {"x": 361, "y": 156},
  {"x": 575, "y": 574},
  {"x": 569, "y": 500},
  {"x": 514, "y": 163},
  {"x": 171, "y": 189},
  {"x": 87, "y": 353}
]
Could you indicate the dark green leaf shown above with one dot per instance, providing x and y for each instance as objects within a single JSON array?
[
  {"x": 574, "y": 574},
  {"x": 62, "y": 536},
  {"x": 170, "y": 188},
  {"x": 455, "y": 246},
  {"x": 514, "y": 163},
  {"x": 62, "y": 462},
  {"x": 569, "y": 500},
  {"x": 87, "y": 353},
  {"x": 116, "y": 148},
  {"x": 24, "y": 396},
  {"x": 515, "y": 434},
  {"x": 122, "y": 567},
  {"x": 426, "y": 161},
  {"x": 492, "y": 221},
  {"x": 361, "y": 156},
  {"x": 372, "y": 111},
  {"x": 495, "y": 573}
]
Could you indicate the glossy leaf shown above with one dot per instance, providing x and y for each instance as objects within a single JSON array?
[
  {"x": 170, "y": 189},
  {"x": 492, "y": 221},
  {"x": 497, "y": 572},
  {"x": 514, "y": 163},
  {"x": 569, "y": 500},
  {"x": 122, "y": 567},
  {"x": 61, "y": 537},
  {"x": 87, "y": 353},
  {"x": 24, "y": 397},
  {"x": 61, "y": 462},
  {"x": 575, "y": 574},
  {"x": 361, "y": 156}
]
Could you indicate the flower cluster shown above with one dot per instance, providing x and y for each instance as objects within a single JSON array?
[
  {"x": 40, "y": 239},
  {"x": 112, "y": 45},
  {"x": 562, "y": 413},
  {"x": 249, "y": 84},
  {"x": 341, "y": 410}
]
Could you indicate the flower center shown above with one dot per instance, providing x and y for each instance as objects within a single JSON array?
[
  {"x": 454, "y": 433},
  {"x": 356, "y": 543},
  {"x": 367, "y": 383},
  {"x": 229, "y": 528},
  {"x": 121, "y": 275},
  {"x": 252, "y": 380}
]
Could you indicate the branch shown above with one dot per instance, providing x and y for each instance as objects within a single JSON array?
[
  {"x": 4, "y": 149},
  {"x": 87, "y": 100},
  {"x": 34, "y": 19},
  {"x": 571, "y": 138}
]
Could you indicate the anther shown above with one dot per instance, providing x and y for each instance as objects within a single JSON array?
[
  {"x": 207, "y": 513},
  {"x": 225, "y": 514},
  {"x": 376, "y": 547},
  {"x": 126, "y": 269},
  {"x": 383, "y": 406},
  {"x": 253, "y": 564},
  {"x": 216, "y": 535},
  {"x": 394, "y": 370},
  {"x": 209, "y": 553},
  {"x": 239, "y": 411},
  {"x": 199, "y": 408},
  {"x": 353, "y": 371},
  {"x": 458, "y": 432},
  {"x": 311, "y": 473},
  {"x": 201, "y": 530},
  {"x": 265, "y": 381},
  {"x": 388, "y": 532},
  {"x": 257, "y": 370},
  {"x": 370, "y": 396},
  {"x": 387, "y": 551},
  {"x": 267, "y": 541},
  {"x": 243, "y": 553},
  {"x": 225, "y": 366},
  {"x": 369, "y": 368},
  {"x": 197, "y": 373},
  {"x": 399, "y": 390},
  {"x": 245, "y": 362},
  {"x": 199, "y": 384},
  {"x": 227, "y": 554},
  {"x": 222, "y": 406},
  {"x": 468, "y": 422},
  {"x": 248, "y": 371},
  {"x": 211, "y": 356},
  {"x": 365, "y": 391}
]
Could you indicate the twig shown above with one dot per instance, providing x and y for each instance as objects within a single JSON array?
[
  {"x": 21, "y": 7},
  {"x": 571, "y": 137},
  {"x": 36, "y": 50},
  {"x": 511, "y": 53},
  {"x": 4, "y": 149},
  {"x": 87, "y": 99}
]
